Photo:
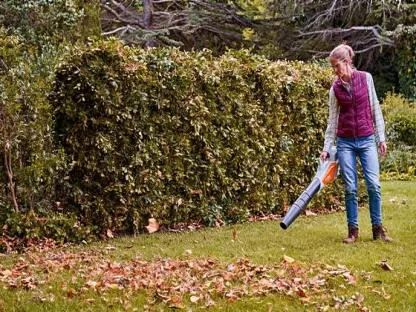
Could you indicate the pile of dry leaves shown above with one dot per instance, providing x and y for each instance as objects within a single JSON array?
[{"x": 177, "y": 283}]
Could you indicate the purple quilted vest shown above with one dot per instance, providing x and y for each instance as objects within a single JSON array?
[{"x": 355, "y": 112}]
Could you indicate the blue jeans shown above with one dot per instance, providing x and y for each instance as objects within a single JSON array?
[{"x": 366, "y": 149}]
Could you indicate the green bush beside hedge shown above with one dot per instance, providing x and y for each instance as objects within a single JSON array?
[{"x": 400, "y": 118}]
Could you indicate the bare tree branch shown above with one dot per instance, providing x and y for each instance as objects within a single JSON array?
[
  {"x": 122, "y": 30},
  {"x": 189, "y": 21},
  {"x": 119, "y": 18}
]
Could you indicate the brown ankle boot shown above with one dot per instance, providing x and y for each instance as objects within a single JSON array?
[
  {"x": 352, "y": 235},
  {"x": 380, "y": 232}
]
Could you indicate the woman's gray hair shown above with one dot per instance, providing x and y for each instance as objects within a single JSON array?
[{"x": 342, "y": 52}]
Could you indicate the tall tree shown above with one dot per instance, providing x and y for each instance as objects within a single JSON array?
[
  {"x": 313, "y": 28},
  {"x": 186, "y": 23}
]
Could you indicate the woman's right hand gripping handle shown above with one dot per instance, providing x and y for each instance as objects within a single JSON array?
[{"x": 324, "y": 156}]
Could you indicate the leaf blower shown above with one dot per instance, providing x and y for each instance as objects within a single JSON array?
[{"x": 326, "y": 173}]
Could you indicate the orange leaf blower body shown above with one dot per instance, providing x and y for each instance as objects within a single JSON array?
[{"x": 326, "y": 173}]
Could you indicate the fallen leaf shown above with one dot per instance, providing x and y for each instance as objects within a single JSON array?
[
  {"x": 385, "y": 266},
  {"x": 288, "y": 259},
  {"x": 351, "y": 278},
  {"x": 219, "y": 223},
  {"x": 385, "y": 295},
  {"x": 91, "y": 284},
  {"x": 360, "y": 298},
  {"x": 71, "y": 293},
  {"x": 153, "y": 225},
  {"x": 110, "y": 233},
  {"x": 235, "y": 234},
  {"x": 301, "y": 292},
  {"x": 112, "y": 286},
  {"x": 208, "y": 301},
  {"x": 176, "y": 302},
  {"x": 48, "y": 298},
  {"x": 194, "y": 299},
  {"x": 393, "y": 199},
  {"x": 127, "y": 305},
  {"x": 6, "y": 273},
  {"x": 231, "y": 297}
]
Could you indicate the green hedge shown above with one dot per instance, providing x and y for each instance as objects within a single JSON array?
[{"x": 184, "y": 136}]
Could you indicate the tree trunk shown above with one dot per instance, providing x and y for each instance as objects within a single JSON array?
[
  {"x": 148, "y": 19},
  {"x": 7, "y": 157}
]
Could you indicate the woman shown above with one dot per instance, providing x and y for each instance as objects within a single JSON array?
[{"x": 356, "y": 123}]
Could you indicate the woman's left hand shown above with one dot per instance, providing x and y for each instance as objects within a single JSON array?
[{"x": 383, "y": 149}]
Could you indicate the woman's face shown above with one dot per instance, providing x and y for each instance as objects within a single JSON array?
[{"x": 340, "y": 67}]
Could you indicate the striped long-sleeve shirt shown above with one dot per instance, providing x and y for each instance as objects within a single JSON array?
[{"x": 376, "y": 114}]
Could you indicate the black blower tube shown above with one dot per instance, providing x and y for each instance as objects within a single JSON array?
[{"x": 301, "y": 203}]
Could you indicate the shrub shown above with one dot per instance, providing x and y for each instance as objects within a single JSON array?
[
  {"x": 400, "y": 121},
  {"x": 28, "y": 159},
  {"x": 41, "y": 22}
]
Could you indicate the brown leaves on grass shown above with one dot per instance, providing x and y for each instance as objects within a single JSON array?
[
  {"x": 178, "y": 283},
  {"x": 15, "y": 244},
  {"x": 395, "y": 200}
]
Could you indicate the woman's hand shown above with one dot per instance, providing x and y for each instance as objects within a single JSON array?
[
  {"x": 324, "y": 156},
  {"x": 383, "y": 148}
]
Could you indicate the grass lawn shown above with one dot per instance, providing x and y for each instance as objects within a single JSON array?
[{"x": 244, "y": 267}]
